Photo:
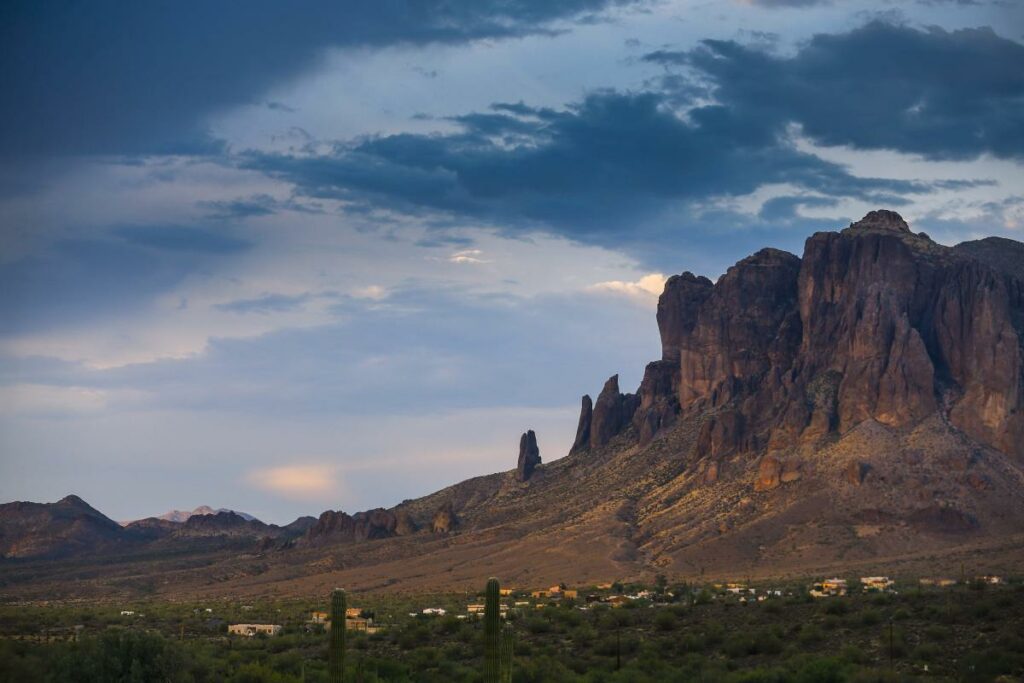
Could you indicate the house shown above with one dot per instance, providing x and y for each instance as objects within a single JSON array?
[
  {"x": 475, "y": 609},
  {"x": 880, "y": 584},
  {"x": 319, "y": 618},
  {"x": 829, "y": 588},
  {"x": 250, "y": 630},
  {"x": 127, "y": 613},
  {"x": 353, "y": 612},
  {"x": 617, "y": 600},
  {"x": 569, "y": 594},
  {"x": 357, "y": 624},
  {"x": 941, "y": 583},
  {"x": 506, "y": 592},
  {"x": 434, "y": 611},
  {"x": 604, "y": 586},
  {"x": 994, "y": 580},
  {"x": 539, "y": 595}
]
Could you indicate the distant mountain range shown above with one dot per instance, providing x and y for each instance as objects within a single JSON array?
[
  {"x": 72, "y": 528},
  {"x": 183, "y": 515},
  {"x": 860, "y": 407}
]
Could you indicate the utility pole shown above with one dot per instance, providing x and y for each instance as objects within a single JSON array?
[
  {"x": 618, "y": 645},
  {"x": 891, "y": 654}
]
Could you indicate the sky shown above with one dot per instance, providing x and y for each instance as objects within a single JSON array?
[{"x": 289, "y": 257}]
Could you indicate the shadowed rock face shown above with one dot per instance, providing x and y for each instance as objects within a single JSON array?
[
  {"x": 612, "y": 412},
  {"x": 582, "y": 440},
  {"x": 529, "y": 456},
  {"x": 335, "y": 526}
]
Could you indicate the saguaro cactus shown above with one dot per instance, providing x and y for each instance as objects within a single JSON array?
[
  {"x": 336, "y": 656},
  {"x": 507, "y": 643},
  {"x": 492, "y": 632}
]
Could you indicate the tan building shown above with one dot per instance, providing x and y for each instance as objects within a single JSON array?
[
  {"x": 357, "y": 624},
  {"x": 250, "y": 630},
  {"x": 319, "y": 618},
  {"x": 941, "y": 583},
  {"x": 876, "y": 583}
]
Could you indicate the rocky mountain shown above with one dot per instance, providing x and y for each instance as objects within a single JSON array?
[
  {"x": 72, "y": 528},
  {"x": 864, "y": 400},
  {"x": 54, "y": 529},
  {"x": 858, "y": 406}
]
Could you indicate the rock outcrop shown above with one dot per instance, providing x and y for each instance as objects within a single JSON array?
[
  {"x": 445, "y": 521},
  {"x": 609, "y": 416},
  {"x": 582, "y": 440},
  {"x": 873, "y": 323},
  {"x": 337, "y": 526},
  {"x": 529, "y": 456}
]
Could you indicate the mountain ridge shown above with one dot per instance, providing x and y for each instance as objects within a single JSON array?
[{"x": 860, "y": 405}]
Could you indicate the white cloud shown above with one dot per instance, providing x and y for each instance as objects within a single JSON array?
[
  {"x": 374, "y": 292},
  {"x": 467, "y": 256},
  {"x": 317, "y": 482},
  {"x": 647, "y": 289}
]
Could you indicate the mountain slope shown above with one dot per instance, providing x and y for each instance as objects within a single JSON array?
[{"x": 54, "y": 529}]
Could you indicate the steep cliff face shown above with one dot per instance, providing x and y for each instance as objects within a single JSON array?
[
  {"x": 874, "y": 323},
  {"x": 339, "y": 526},
  {"x": 529, "y": 456},
  {"x": 609, "y": 415}
]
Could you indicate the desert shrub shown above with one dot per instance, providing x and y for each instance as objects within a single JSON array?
[
  {"x": 870, "y": 617},
  {"x": 927, "y": 652},
  {"x": 119, "y": 655},
  {"x": 665, "y": 621},
  {"x": 810, "y": 635},
  {"x": 836, "y": 607},
  {"x": 538, "y": 625},
  {"x": 853, "y": 654}
]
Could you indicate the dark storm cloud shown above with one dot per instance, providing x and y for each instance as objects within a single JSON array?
[
  {"x": 136, "y": 77},
  {"x": 83, "y": 281},
  {"x": 604, "y": 164},
  {"x": 93, "y": 279},
  {"x": 941, "y": 94}
]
